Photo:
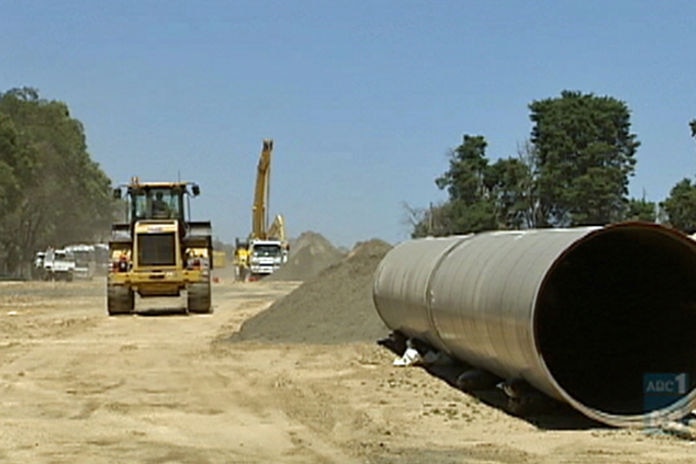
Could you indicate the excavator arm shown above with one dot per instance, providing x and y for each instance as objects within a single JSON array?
[
  {"x": 261, "y": 193},
  {"x": 277, "y": 229}
]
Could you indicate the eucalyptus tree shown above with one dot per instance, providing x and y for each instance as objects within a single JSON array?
[{"x": 53, "y": 192}]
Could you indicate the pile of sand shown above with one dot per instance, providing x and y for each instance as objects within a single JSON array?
[
  {"x": 334, "y": 307},
  {"x": 310, "y": 254}
]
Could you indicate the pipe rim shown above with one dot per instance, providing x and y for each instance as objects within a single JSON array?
[{"x": 673, "y": 411}]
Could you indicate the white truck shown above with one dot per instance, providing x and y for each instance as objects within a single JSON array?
[
  {"x": 85, "y": 260},
  {"x": 59, "y": 265},
  {"x": 265, "y": 257},
  {"x": 38, "y": 271}
]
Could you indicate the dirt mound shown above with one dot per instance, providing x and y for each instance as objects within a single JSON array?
[
  {"x": 334, "y": 307},
  {"x": 310, "y": 254}
]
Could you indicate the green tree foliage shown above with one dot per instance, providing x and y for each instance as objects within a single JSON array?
[
  {"x": 464, "y": 179},
  {"x": 433, "y": 221},
  {"x": 10, "y": 159},
  {"x": 469, "y": 209},
  {"x": 482, "y": 196},
  {"x": 641, "y": 210},
  {"x": 509, "y": 184},
  {"x": 584, "y": 155},
  {"x": 680, "y": 206},
  {"x": 573, "y": 171},
  {"x": 51, "y": 192}
]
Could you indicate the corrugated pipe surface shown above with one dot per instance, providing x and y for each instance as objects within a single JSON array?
[{"x": 603, "y": 318}]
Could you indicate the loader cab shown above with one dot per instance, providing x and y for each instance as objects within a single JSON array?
[
  {"x": 157, "y": 200},
  {"x": 157, "y": 203}
]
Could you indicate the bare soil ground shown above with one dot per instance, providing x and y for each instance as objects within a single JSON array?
[{"x": 77, "y": 386}]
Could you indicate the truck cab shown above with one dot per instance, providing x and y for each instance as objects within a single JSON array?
[{"x": 265, "y": 257}]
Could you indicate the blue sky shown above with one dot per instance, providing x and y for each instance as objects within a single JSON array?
[{"x": 364, "y": 99}]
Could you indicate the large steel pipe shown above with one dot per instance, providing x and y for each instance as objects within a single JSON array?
[{"x": 603, "y": 318}]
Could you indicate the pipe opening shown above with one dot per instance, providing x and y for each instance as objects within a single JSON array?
[{"x": 618, "y": 306}]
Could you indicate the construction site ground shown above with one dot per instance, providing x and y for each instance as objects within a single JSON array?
[{"x": 264, "y": 379}]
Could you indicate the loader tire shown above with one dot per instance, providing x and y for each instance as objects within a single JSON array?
[
  {"x": 198, "y": 298},
  {"x": 119, "y": 300}
]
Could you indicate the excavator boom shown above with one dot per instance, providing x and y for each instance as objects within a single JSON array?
[
  {"x": 262, "y": 193},
  {"x": 277, "y": 229}
]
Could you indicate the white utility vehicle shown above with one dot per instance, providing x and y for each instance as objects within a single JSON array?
[{"x": 59, "y": 265}]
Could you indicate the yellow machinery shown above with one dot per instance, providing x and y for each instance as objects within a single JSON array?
[
  {"x": 159, "y": 251},
  {"x": 241, "y": 260},
  {"x": 266, "y": 248},
  {"x": 219, "y": 259}
]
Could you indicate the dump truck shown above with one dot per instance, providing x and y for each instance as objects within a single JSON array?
[{"x": 158, "y": 251}]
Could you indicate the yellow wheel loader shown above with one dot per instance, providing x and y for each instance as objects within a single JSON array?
[{"x": 159, "y": 252}]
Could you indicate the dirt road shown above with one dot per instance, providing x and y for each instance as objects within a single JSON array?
[{"x": 80, "y": 387}]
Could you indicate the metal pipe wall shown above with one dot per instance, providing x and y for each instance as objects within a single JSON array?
[{"x": 586, "y": 315}]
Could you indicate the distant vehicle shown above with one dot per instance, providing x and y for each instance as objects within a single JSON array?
[
  {"x": 101, "y": 256},
  {"x": 265, "y": 257},
  {"x": 59, "y": 265},
  {"x": 90, "y": 260},
  {"x": 85, "y": 260},
  {"x": 38, "y": 272}
]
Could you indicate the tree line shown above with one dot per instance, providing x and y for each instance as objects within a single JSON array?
[
  {"x": 573, "y": 171},
  {"x": 51, "y": 192}
]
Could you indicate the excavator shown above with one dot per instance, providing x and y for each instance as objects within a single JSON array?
[{"x": 266, "y": 248}]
